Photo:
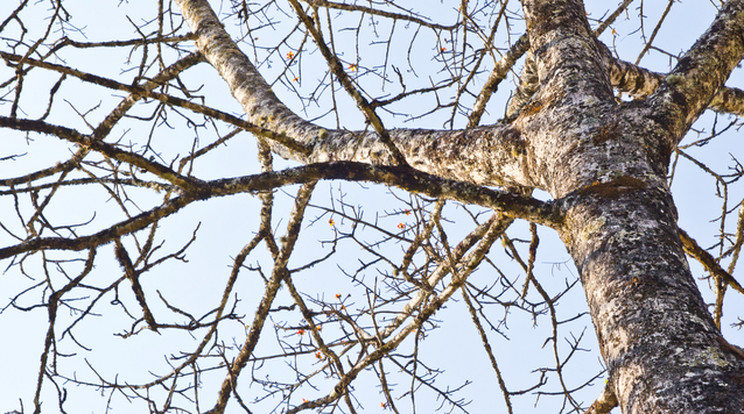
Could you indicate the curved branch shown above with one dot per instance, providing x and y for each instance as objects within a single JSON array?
[
  {"x": 490, "y": 156},
  {"x": 247, "y": 85},
  {"x": 640, "y": 83},
  {"x": 433, "y": 185},
  {"x": 108, "y": 150},
  {"x": 690, "y": 87},
  {"x": 509, "y": 204},
  {"x": 137, "y": 222}
]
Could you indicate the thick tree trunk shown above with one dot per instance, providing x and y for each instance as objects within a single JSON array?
[
  {"x": 662, "y": 349},
  {"x": 606, "y": 162}
]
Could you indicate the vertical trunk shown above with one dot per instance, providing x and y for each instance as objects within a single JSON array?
[
  {"x": 608, "y": 162},
  {"x": 662, "y": 350}
]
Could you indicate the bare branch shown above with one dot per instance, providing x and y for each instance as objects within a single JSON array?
[
  {"x": 250, "y": 89},
  {"x": 377, "y": 12},
  {"x": 278, "y": 274},
  {"x": 510, "y": 204},
  {"x": 338, "y": 70},
  {"x": 604, "y": 403},
  {"x": 689, "y": 88}
]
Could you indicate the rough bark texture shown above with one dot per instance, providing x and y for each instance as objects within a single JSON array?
[
  {"x": 662, "y": 349},
  {"x": 607, "y": 164},
  {"x": 606, "y": 161}
]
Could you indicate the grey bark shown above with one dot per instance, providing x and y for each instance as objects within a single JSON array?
[
  {"x": 608, "y": 163},
  {"x": 605, "y": 163}
]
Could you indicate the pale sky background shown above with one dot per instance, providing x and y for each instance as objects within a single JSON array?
[{"x": 227, "y": 224}]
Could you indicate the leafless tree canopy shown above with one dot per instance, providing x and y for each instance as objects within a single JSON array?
[{"x": 362, "y": 206}]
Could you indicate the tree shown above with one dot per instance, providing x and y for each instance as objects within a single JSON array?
[{"x": 96, "y": 178}]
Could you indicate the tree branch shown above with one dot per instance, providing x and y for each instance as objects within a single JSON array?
[
  {"x": 451, "y": 154},
  {"x": 279, "y": 273},
  {"x": 604, "y": 403},
  {"x": 700, "y": 73},
  {"x": 709, "y": 262},
  {"x": 468, "y": 264},
  {"x": 146, "y": 91},
  {"x": 335, "y": 66},
  {"x": 509, "y": 204},
  {"x": 247, "y": 85},
  {"x": 640, "y": 83},
  {"x": 111, "y": 151},
  {"x": 376, "y": 12},
  {"x": 131, "y": 273},
  {"x": 499, "y": 72},
  {"x": 136, "y": 223}
]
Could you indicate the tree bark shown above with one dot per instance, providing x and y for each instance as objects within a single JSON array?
[
  {"x": 606, "y": 164},
  {"x": 662, "y": 349}
]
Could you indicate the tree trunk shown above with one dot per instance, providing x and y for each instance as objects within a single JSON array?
[
  {"x": 662, "y": 349},
  {"x": 605, "y": 162}
]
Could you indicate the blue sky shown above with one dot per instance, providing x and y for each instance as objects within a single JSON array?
[{"x": 224, "y": 225}]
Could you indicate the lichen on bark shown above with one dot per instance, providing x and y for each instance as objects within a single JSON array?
[{"x": 605, "y": 164}]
